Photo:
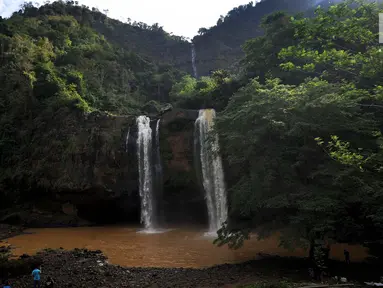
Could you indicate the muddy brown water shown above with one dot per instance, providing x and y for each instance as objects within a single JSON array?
[{"x": 180, "y": 247}]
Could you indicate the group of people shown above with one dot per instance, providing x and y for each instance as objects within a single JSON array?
[{"x": 36, "y": 274}]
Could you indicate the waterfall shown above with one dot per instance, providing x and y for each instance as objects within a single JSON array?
[
  {"x": 127, "y": 140},
  {"x": 158, "y": 156},
  {"x": 212, "y": 170},
  {"x": 193, "y": 56},
  {"x": 158, "y": 174},
  {"x": 144, "y": 152}
]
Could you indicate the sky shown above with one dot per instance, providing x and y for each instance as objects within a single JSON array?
[{"x": 181, "y": 17}]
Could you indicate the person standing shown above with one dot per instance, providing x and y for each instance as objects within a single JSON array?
[
  {"x": 6, "y": 285},
  {"x": 346, "y": 256},
  {"x": 36, "y": 277}
]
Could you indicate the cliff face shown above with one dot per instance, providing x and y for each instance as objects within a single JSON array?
[
  {"x": 183, "y": 200},
  {"x": 82, "y": 167},
  {"x": 78, "y": 160}
]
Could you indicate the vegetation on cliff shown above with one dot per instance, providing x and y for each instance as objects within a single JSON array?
[{"x": 303, "y": 133}]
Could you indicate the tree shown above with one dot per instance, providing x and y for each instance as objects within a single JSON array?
[
  {"x": 282, "y": 180},
  {"x": 261, "y": 53},
  {"x": 202, "y": 31},
  {"x": 338, "y": 50}
]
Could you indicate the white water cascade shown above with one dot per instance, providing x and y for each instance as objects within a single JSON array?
[
  {"x": 212, "y": 171},
  {"x": 158, "y": 175},
  {"x": 144, "y": 152},
  {"x": 158, "y": 156},
  {"x": 193, "y": 56}
]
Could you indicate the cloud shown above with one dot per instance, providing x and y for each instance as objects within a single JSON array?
[
  {"x": 7, "y": 7},
  {"x": 2, "y": 7}
]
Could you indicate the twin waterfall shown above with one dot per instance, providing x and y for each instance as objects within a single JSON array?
[
  {"x": 150, "y": 170},
  {"x": 211, "y": 166}
]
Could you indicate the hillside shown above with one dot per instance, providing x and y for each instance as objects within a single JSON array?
[
  {"x": 149, "y": 41},
  {"x": 56, "y": 68},
  {"x": 115, "y": 67},
  {"x": 219, "y": 47}
]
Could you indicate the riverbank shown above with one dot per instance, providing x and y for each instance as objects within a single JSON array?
[
  {"x": 84, "y": 268},
  {"x": 124, "y": 248},
  {"x": 8, "y": 231}
]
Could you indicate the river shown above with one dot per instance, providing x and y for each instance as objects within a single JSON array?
[{"x": 181, "y": 247}]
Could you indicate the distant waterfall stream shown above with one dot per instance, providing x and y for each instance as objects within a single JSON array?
[
  {"x": 211, "y": 168},
  {"x": 144, "y": 153},
  {"x": 193, "y": 57}
]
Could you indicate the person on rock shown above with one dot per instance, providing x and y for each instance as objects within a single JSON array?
[
  {"x": 36, "y": 277},
  {"x": 6, "y": 285},
  {"x": 49, "y": 283}
]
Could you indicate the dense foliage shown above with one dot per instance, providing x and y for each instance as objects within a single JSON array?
[
  {"x": 110, "y": 76},
  {"x": 214, "y": 91},
  {"x": 151, "y": 42},
  {"x": 303, "y": 137}
]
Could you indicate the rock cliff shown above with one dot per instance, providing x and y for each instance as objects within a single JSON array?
[
  {"x": 183, "y": 200},
  {"x": 81, "y": 167}
]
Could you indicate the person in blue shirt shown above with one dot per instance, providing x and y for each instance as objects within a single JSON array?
[
  {"x": 6, "y": 285},
  {"x": 36, "y": 277}
]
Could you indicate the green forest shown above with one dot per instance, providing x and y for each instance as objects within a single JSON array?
[{"x": 300, "y": 120}]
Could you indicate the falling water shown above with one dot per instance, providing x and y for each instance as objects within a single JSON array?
[
  {"x": 158, "y": 174},
  {"x": 158, "y": 156},
  {"x": 127, "y": 140},
  {"x": 144, "y": 151},
  {"x": 212, "y": 171},
  {"x": 193, "y": 61}
]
